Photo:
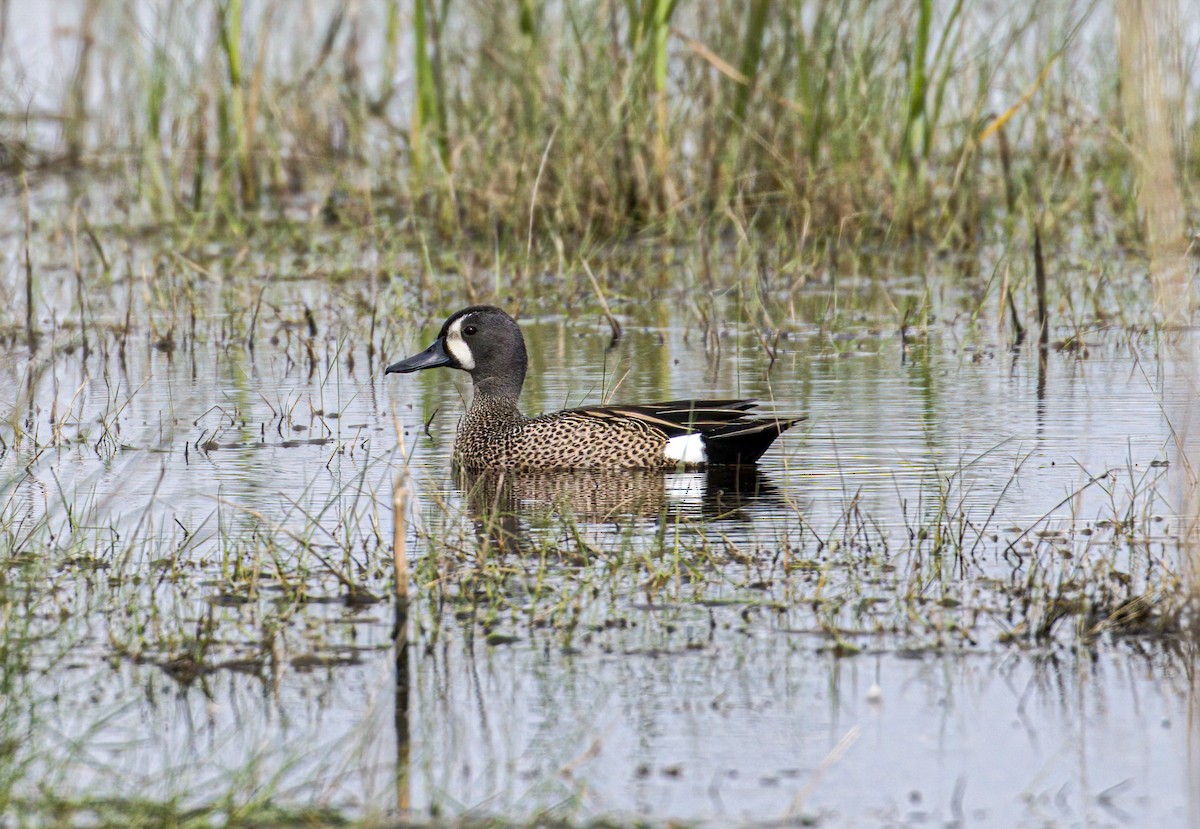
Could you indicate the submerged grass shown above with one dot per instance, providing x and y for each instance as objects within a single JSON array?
[{"x": 301, "y": 588}]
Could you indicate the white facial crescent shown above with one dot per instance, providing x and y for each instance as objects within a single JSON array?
[{"x": 457, "y": 346}]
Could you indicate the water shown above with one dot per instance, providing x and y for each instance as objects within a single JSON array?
[{"x": 679, "y": 649}]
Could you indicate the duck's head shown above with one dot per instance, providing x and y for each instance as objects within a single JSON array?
[{"x": 481, "y": 340}]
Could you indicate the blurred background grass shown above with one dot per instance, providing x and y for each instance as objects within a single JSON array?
[
  {"x": 552, "y": 131},
  {"x": 600, "y": 116}
]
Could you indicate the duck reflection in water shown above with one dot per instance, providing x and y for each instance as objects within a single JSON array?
[{"x": 504, "y": 502}]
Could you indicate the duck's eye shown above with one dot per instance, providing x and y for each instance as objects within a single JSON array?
[{"x": 469, "y": 330}]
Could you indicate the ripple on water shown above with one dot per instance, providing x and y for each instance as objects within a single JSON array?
[{"x": 677, "y": 646}]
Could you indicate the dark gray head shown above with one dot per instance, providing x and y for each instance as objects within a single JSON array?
[{"x": 481, "y": 340}]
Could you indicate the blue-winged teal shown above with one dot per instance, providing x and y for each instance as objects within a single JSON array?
[{"x": 487, "y": 343}]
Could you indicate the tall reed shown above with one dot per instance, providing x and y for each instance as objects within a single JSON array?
[
  {"x": 429, "y": 113},
  {"x": 238, "y": 146}
]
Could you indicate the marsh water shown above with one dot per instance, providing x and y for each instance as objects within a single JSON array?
[{"x": 877, "y": 628}]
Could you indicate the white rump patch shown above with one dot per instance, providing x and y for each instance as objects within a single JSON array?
[
  {"x": 458, "y": 347},
  {"x": 686, "y": 449}
]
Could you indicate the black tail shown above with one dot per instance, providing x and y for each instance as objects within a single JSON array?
[{"x": 744, "y": 442}]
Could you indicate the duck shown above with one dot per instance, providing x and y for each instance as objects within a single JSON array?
[{"x": 487, "y": 343}]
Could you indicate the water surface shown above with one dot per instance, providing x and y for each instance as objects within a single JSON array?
[{"x": 185, "y": 526}]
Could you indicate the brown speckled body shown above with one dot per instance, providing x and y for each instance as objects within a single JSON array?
[{"x": 495, "y": 435}]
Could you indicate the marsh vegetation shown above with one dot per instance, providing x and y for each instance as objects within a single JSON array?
[{"x": 964, "y": 589}]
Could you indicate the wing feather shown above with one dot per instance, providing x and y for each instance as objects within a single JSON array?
[{"x": 681, "y": 417}]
